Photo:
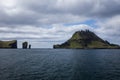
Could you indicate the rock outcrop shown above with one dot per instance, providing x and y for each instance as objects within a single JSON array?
[
  {"x": 29, "y": 46},
  {"x": 86, "y": 40},
  {"x": 25, "y": 45},
  {"x": 8, "y": 44}
]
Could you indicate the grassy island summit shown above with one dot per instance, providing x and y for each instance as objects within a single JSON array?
[{"x": 86, "y": 40}]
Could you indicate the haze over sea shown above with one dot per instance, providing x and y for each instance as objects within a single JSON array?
[{"x": 59, "y": 64}]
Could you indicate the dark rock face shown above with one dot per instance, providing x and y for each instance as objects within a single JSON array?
[
  {"x": 86, "y": 40},
  {"x": 8, "y": 44},
  {"x": 25, "y": 45},
  {"x": 29, "y": 46}
]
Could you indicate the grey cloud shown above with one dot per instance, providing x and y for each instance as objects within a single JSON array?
[
  {"x": 46, "y": 12},
  {"x": 76, "y": 7},
  {"x": 106, "y": 8},
  {"x": 21, "y": 18}
]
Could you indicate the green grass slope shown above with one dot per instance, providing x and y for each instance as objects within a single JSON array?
[
  {"x": 8, "y": 44},
  {"x": 86, "y": 40}
]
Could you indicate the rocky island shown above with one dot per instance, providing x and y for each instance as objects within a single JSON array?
[
  {"x": 86, "y": 40},
  {"x": 8, "y": 44},
  {"x": 25, "y": 45}
]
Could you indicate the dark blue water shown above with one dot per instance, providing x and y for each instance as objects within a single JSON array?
[{"x": 59, "y": 64}]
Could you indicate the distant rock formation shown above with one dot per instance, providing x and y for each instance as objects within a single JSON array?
[
  {"x": 8, "y": 44},
  {"x": 86, "y": 40},
  {"x": 29, "y": 46},
  {"x": 25, "y": 45}
]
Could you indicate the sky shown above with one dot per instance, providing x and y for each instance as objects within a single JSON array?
[{"x": 44, "y": 23}]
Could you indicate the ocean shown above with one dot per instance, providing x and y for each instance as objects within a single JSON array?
[{"x": 59, "y": 64}]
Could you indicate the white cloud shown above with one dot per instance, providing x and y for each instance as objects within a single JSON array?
[
  {"x": 110, "y": 29},
  {"x": 56, "y": 33}
]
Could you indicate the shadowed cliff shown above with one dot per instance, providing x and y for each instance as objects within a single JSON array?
[
  {"x": 8, "y": 44},
  {"x": 86, "y": 40}
]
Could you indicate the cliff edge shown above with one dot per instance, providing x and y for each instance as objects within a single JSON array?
[{"x": 8, "y": 44}]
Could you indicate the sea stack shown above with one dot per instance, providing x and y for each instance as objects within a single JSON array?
[
  {"x": 86, "y": 40},
  {"x": 8, "y": 44},
  {"x": 29, "y": 46},
  {"x": 25, "y": 45}
]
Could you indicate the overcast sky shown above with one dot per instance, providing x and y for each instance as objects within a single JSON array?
[{"x": 47, "y": 22}]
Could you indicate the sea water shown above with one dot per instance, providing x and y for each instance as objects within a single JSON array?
[{"x": 59, "y": 64}]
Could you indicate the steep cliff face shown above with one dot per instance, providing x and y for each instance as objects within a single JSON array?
[
  {"x": 8, "y": 44},
  {"x": 86, "y": 40},
  {"x": 25, "y": 45}
]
